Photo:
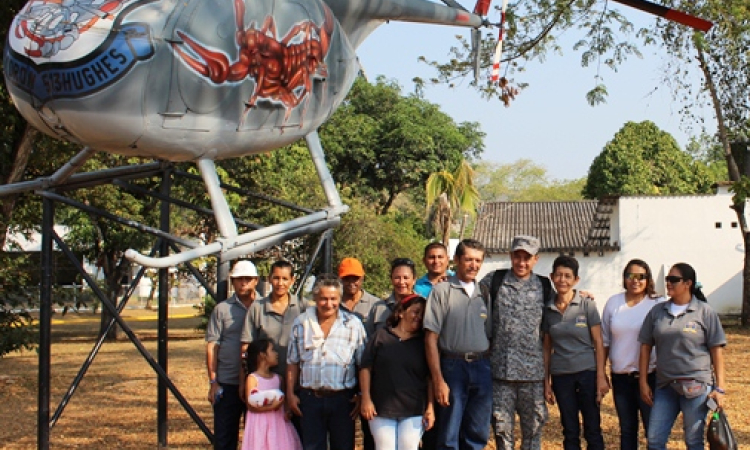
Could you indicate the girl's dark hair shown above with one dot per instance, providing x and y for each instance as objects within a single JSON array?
[
  {"x": 566, "y": 261},
  {"x": 688, "y": 273},
  {"x": 650, "y": 286},
  {"x": 402, "y": 306},
  {"x": 404, "y": 262},
  {"x": 253, "y": 351}
]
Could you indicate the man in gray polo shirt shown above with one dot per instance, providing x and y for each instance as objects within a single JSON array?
[
  {"x": 223, "y": 355},
  {"x": 272, "y": 317},
  {"x": 457, "y": 352}
]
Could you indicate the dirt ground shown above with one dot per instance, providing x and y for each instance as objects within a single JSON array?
[{"x": 115, "y": 405}]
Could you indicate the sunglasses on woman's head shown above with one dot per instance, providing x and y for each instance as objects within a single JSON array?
[
  {"x": 636, "y": 276},
  {"x": 673, "y": 279}
]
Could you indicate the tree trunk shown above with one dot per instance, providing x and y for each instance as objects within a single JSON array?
[
  {"x": 20, "y": 161},
  {"x": 734, "y": 176},
  {"x": 745, "y": 316},
  {"x": 463, "y": 227}
]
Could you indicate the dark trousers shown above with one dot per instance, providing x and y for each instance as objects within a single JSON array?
[
  {"x": 576, "y": 393},
  {"x": 327, "y": 419},
  {"x": 465, "y": 423},
  {"x": 227, "y": 414},
  {"x": 628, "y": 403}
]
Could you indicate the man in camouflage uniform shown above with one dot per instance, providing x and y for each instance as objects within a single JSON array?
[{"x": 517, "y": 356}]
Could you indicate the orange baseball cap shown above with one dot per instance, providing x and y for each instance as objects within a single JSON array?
[{"x": 351, "y": 267}]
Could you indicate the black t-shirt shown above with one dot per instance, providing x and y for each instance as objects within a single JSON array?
[{"x": 399, "y": 374}]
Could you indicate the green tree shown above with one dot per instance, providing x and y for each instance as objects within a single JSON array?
[
  {"x": 381, "y": 143},
  {"x": 523, "y": 181},
  {"x": 450, "y": 194},
  {"x": 643, "y": 159},
  {"x": 723, "y": 58},
  {"x": 377, "y": 239}
]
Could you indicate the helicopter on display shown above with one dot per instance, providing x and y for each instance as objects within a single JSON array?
[{"x": 204, "y": 80}]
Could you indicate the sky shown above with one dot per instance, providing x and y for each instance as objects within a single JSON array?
[{"x": 550, "y": 122}]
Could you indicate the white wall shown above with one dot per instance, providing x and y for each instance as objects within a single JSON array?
[{"x": 663, "y": 231}]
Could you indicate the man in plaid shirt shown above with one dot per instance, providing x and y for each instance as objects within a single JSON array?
[{"x": 324, "y": 351}]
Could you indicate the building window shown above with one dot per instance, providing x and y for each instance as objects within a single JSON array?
[
  {"x": 718, "y": 225},
  {"x": 734, "y": 224}
]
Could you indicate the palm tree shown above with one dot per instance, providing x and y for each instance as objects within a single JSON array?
[{"x": 450, "y": 194}]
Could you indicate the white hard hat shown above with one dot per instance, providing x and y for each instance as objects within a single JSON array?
[{"x": 244, "y": 269}]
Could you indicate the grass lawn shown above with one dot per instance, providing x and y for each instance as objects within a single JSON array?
[{"x": 115, "y": 405}]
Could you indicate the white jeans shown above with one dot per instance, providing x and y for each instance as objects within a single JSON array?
[{"x": 396, "y": 434}]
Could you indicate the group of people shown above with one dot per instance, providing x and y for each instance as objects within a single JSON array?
[{"x": 447, "y": 358}]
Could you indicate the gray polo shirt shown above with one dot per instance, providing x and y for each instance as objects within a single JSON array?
[
  {"x": 262, "y": 322},
  {"x": 683, "y": 343},
  {"x": 572, "y": 346},
  {"x": 225, "y": 328},
  {"x": 456, "y": 318},
  {"x": 379, "y": 314},
  {"x": 363, "y": 309}
]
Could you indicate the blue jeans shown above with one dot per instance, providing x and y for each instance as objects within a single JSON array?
[
  {"x": 227, "y": 413},
  {"x": 628, "y": 403},
  {"x": 327, "y": 419},
  {"x": 667, "y": 405},
  {"x": 574, "y": 393},
  {"x": 396, "y": 434},
  {"x": 465, "y": 423}
]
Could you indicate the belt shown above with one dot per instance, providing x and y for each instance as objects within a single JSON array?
[
  {"x": 468, "y": 357},
  {"x": 323, "y": 393},
  {"x": 634, "y": 374}
]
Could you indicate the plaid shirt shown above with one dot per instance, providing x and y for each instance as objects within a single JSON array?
[{"x": 333, "y": 365}]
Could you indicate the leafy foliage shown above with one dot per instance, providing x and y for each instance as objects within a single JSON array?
[
  {"x": 523, "y": 181},
  {"x": 642, "y": 159},
  {"x": 450, "y": 194},
  {"x": 381, "y": 143},
  {"x": 17, "y": 330},
  {"x": 533, "y": 31},
  {"x": 376, "y": 240}
]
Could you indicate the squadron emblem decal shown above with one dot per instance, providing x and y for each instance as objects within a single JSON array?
[{"x": 72, "y": 48}]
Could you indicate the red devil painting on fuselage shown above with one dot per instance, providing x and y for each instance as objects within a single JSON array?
[{"x": 283, "y": 70}]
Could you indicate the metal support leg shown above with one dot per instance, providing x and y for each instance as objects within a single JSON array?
[
  {"x": 222, "y": 281},
  {"x": 45, "y": 321},
  {"x": 328, "y": 252},
  {"x": 224, "y": 218},
  {"x": 329, "y": 187},
  {"x": 71, "y": 166},
  {"x": 163, "y": 320}
]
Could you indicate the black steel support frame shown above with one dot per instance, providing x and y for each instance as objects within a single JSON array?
[{"x": 164, "y": 242}]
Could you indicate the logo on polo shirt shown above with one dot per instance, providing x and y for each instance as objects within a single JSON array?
[
  {"x": 581, "y": 321},
  {"x": 690, "y": 327},
  {"x": 483, "y": 312}
]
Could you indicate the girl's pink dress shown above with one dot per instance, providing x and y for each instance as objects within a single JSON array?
[{"x": 269, "y": 430}]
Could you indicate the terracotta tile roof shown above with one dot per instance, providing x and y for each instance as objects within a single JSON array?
[{"x": 582, "y": 226}]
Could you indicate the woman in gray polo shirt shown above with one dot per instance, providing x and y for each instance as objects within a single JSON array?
[
  {"x": 689, "y": 342},
  {"x": 574, "y": 358}
]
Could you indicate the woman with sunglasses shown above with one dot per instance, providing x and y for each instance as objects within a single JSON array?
[
  {"x": 621, "y": 322},
  {"x": 403, "y": 278},
  {"x": 689, "y": 342},
  {"x": 394, "y": 379}
]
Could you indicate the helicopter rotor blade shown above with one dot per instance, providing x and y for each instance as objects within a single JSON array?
[
  {"x": 669, "y": 14},
  {"x": 454, "y": 4}
]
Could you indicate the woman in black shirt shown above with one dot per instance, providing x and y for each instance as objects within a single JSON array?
[{"x": 394, "y": 378}]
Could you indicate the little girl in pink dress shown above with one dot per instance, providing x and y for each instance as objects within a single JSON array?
[{"x": 266, "y": 427}]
